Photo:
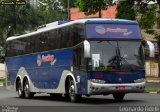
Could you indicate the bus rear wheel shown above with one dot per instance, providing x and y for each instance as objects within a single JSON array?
[
  {"x": 27, "y": 92},
  {"x": 20, "y": 90},
  {"x": 71, "y": 93},
  {"x": 118, "y": 96}
]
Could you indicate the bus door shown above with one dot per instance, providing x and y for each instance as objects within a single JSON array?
[{"x": 79, "y": 65}]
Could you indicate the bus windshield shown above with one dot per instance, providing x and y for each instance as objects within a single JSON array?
[{"x": 116, "y": 55}]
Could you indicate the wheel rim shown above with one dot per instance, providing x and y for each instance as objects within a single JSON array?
[
  {"x": 19, "y": 92},
  {"x": 26, "y": 89},
  {"x": 19, "y": 89},
  {"x": 72, "y": 91}
]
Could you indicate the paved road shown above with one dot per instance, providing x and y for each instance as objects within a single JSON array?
[
  {"x": 155, "y": 85},
  {"x": 44, "y": 102}
]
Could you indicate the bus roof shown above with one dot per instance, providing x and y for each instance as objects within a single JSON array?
[{"x": 60, "y": 24}]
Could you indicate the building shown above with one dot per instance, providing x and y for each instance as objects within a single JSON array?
[{"x": 109, "y": 13}]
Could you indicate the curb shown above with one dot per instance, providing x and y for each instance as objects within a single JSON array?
[
  {"x": 152, "y": 81},
  {"x": 153, "y": 92}
]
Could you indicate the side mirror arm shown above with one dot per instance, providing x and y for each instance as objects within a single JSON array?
[
  {"x": 87, "y": 49},
  {"x": 151, "y": 48}
]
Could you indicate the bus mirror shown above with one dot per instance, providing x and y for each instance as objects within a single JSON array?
[
  {"x": 87, "y": 49},
  {"x": 151, "y": 48}
]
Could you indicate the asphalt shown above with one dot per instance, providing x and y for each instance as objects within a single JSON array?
[
  {"x": 9, "y": 102},
  {"x": 153, "y": 85}
]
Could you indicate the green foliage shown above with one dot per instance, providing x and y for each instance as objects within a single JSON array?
[
  {"x": 125, "y": 10},
  {"x": 150, "y": 31},
  {"x": 52, "y": 10},
  {"x": 148, "y": 19},
  {"x": 92, "y": 6},
  {"x": 16, "y": 19},
  {"x": 64, "y": 3}
]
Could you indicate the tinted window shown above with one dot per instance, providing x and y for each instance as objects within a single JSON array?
[
  {"x": 17, "y": 47},
  {"x": 79, "y": 34},
  {"x": 79, "y": 61},
  {"x": 68, "y": 36},
  {"x": 52, "y": 40}
]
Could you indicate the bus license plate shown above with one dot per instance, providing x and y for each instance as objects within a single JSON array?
[{"x": 120, "y": 87}]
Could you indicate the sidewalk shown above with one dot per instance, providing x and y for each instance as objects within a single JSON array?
[
  {"x": 2, "y": 71},
  {"x": 152, "y": 85}
]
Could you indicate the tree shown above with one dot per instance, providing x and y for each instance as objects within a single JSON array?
[
  {"x": 64, "y": 3},
  {"x": 15, "y": 19},
  {"x": 52, "y": 10},
  {"x": 93, "y": 6},
  {"x": 147, "y": 21},
  {"x": 125, "y": 10}
]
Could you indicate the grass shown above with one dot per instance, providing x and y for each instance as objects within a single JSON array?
[
  {"x": 2, "y": 80},
  {"x": 152, "y": 90},
  {"x": 152, "y": 78}
]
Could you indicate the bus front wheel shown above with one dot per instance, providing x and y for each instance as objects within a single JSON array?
[
  {"x": 72, "y": 92},
  {"x": 27, "y": 92},
  {"x": 19, "y": 90},
  {"x": 118, "y": 96}
]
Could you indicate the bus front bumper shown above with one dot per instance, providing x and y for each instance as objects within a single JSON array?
[{"x": 96, "y": 88}]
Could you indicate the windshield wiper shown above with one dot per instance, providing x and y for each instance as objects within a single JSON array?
[{"x": 119, "y": 59}]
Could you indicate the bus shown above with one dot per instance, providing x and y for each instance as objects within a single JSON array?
[{"x": 78, "y": 58}]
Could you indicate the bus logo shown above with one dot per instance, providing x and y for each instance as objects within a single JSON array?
[
  {"x": 100, "y": 29},
  {"x": 48, "y": 58}
]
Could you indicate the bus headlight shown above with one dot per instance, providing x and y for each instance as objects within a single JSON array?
[
  {"x": 98, "y": 81},
  {"x": 139, "y": 80}
]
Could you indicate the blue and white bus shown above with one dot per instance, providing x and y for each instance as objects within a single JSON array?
[{"x": 81, "y": 57}]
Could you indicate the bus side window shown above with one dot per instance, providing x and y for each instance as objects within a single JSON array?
[
  {"x": 52, "y": 39},
  {"x": 76, "y": 60},
  {"x": 43, "y": 39},
  {"x": 78, "y": 33},
  {"x": 79, "y": 60},
  {"x": 70, "y": 37}
]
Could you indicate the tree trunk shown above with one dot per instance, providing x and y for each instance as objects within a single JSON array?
[{"x": 100, "y": 14}]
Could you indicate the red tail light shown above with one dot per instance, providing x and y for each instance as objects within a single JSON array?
[{"x": 99, "y": 76}]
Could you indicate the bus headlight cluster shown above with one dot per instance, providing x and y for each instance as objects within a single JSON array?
[
  {"x": 98, "y": 81},
  {"x": 139, "y": 80}
]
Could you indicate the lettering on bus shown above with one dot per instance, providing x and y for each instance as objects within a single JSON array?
[
  {"x": 48, "y": 58},
  {"x": 102, "y": 30},
  {"x": 113, "y": 31}
]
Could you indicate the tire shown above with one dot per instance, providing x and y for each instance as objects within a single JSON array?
[
  {"x": 20, "y": 90},
  {"x": 118, "y": 96},
  {"x": 27, "y": 92},
  {"x": 73, "y": 97}
]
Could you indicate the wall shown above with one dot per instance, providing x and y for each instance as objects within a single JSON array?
[{"x": 109, "y": 13}]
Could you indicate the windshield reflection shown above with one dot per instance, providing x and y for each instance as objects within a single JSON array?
[{"x": 116, "y": 56}]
